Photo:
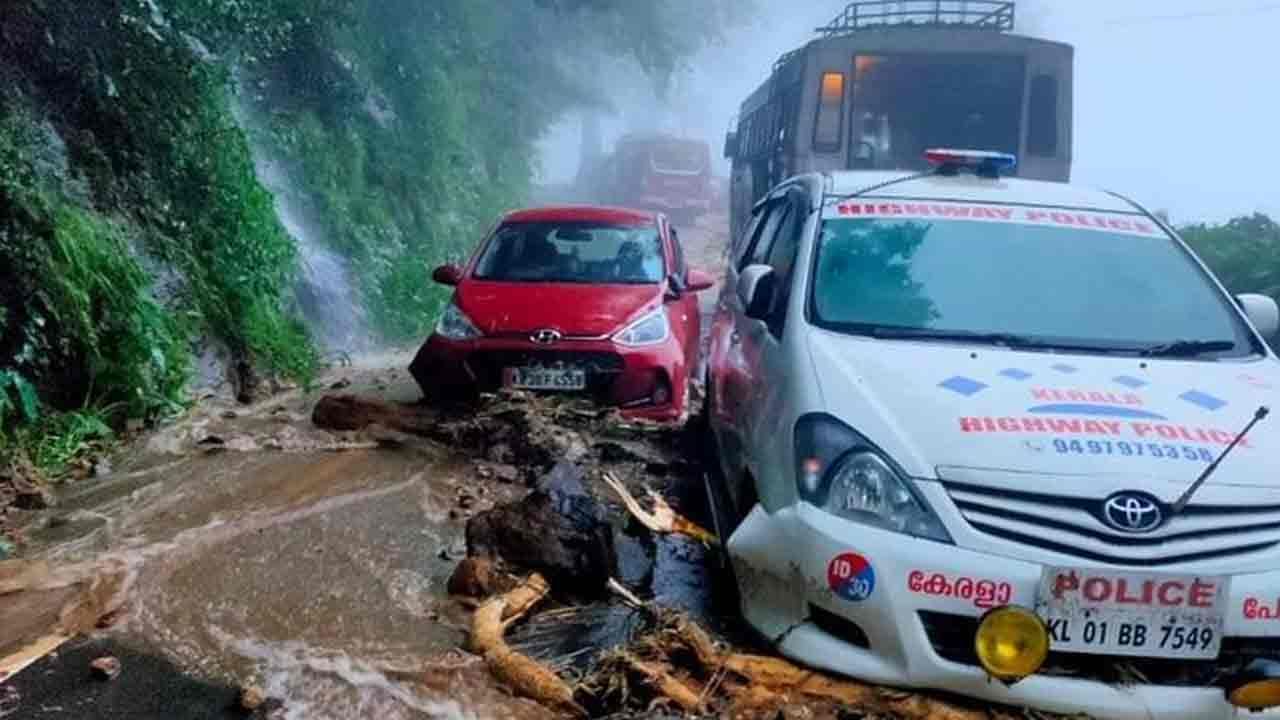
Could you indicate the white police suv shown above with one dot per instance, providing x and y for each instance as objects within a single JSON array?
[{"x": 1002, "y": 438}]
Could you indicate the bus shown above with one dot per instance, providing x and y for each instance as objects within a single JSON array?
[{"x": 884, "y": 81}]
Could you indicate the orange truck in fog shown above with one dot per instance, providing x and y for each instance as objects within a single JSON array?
[{"x": 657, "y": 172}]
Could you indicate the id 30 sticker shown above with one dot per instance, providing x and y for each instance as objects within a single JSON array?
[{"x": 851, "y": 576}]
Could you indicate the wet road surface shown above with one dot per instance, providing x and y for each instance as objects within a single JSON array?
[{"x": 248, "y": 548}]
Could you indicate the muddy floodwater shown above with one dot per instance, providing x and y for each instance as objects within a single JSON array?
[{"x": 247, "y": 547}]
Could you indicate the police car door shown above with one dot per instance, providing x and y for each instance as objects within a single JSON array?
[
  {"x": 762, "y": 339},
  {"x": 730, "y": 383}
]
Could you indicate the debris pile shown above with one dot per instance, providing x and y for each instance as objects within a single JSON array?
[{"x": 552, "y": 560}]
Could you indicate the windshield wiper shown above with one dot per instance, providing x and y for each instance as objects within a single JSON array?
[
  {"x": 1001, "y": 339},
  {"x": 1187, "y": 348},
  {"x": 991, "y": 338}
]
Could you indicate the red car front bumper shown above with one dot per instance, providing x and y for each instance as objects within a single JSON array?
[{"x": 617, "y": 375}]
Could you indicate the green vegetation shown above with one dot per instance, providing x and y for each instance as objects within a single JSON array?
[
  {"x": 133, "y": 230},
  {"x": 1244, "y": 252}
]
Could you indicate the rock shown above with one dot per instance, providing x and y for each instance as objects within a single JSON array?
[
  {"x": 112, "y": 618},
  {"x": 500, "y": 453},
  {"x": 230, "y": 415},
  {"x": 509, "y": 474},
  {"x": 28, "y": 495},
  {"x": 270, "y": 709},
  {"x": 252, "y": 698},
  {"x": 101, "y": 467},
  {"x": 134, "y": 425},
  {"x": 341, "y": 384},
  {"x": 10, "y": 700},
  {"x": 105, "y": 668},
  {"x": 558, "y": 529},
  {"x": 23, "y": 486},
  {"x": 248, "y": 383},
  {"x": 351, "y": 412},
  {"x": 474, "y": 577}
]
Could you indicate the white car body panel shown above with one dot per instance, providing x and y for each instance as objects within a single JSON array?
[{"x": 969, "y": 423}]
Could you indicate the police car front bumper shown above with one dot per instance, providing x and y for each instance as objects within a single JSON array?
[{"x": 877, "y": 627}]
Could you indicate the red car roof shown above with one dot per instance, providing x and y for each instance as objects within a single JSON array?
[{"x": 582, "y": 213}]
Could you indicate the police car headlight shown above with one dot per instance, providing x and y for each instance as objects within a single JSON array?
[
  {"x": 839, "y": 471},
  {"x": 651, "y": 329},
  {"x": 455, "y": 325}
]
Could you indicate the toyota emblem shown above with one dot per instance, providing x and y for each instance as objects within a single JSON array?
[
  {"x": 545, "y": 336},
  {"x": 1132, "y": 512}
]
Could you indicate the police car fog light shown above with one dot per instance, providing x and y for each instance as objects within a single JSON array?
[
  {"x": 1257, "y": 687},
  {"x": 1012, "y": 642}
]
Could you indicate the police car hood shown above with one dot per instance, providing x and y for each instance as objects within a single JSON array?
[{"x": 935, "y": 406}]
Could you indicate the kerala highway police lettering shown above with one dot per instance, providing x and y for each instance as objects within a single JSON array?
[
  {"x": 1107, "y": 222},
  {"x": 1147, "y": 432}
]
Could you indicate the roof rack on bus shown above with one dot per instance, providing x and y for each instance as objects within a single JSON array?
[{"x": 996, "y": 15}]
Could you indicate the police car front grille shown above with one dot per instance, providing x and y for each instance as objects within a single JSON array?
[
  {"x": 951, "y": 637},
  {"x": 1072, "y": 526}
]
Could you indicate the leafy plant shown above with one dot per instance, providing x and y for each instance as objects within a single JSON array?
[
  {"x": 59, "y": 439},
  {"x": 18, "y": 398}
]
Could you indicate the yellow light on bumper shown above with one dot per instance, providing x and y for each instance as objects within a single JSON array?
[
  {"x": 1012, "y": 642},
  {"x": 1257, "y": 687}
]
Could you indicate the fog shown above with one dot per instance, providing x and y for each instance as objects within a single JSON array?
[{"x": 1175, "y": 100}]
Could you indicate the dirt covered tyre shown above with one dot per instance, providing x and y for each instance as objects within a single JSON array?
[
  {"x": 434, "y": 391},
  {"x": 724, "y": 517}
]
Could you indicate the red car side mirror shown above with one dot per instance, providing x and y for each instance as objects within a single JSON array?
[
  {"x": 447, "y": 275},
  {"x": 699, "y": 281}
]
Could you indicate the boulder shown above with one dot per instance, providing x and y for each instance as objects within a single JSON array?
[
  {"x": 559, "y": 530},
  {"x": 352, "y": 412}
]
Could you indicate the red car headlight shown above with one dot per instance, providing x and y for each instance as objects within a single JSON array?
[{"x": 651, "y": 329}]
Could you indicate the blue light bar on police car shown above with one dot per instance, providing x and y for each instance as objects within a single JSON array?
[{"x": 982, "y": 162}]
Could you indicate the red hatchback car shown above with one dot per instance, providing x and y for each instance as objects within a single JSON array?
[{"x": 571, "y": 299}]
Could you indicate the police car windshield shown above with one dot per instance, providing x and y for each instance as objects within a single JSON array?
[
  {"x": 573, "y": 252},
  {"x": 1023, "y": 277}
]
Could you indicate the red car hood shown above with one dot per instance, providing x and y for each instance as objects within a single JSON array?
[{"x": 570, "y": 308}]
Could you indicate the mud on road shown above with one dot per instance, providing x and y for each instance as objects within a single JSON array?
[{"x": 299, "y": 558}]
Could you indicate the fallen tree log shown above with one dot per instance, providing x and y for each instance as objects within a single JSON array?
[{"x": 522, "y": 674}]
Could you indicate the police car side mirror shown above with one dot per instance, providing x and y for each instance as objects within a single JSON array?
[
  {"x": 1262, "y": 311},
  {"x": 755, "y": 291}
]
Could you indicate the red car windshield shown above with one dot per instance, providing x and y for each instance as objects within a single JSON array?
[{"x": 573, "y": 252}]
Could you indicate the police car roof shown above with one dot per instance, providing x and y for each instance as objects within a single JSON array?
[{"x": 966, "y": 187}]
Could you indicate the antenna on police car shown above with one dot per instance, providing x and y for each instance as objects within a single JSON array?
[{"x": 1181, "y": 502}]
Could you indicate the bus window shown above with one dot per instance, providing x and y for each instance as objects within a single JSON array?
[
  {"x": 1042, "y": 117},
  {"x": 829, "y": 124},
  {"x": 908, "y": 103}
]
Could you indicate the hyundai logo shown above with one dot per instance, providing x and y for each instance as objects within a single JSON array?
[
  {"x": 1132, "y": 512},
  {"x": 545, "y": 336}
]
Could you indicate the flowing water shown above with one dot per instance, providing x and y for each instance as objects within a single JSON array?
[{"x": 246, "y": 547}]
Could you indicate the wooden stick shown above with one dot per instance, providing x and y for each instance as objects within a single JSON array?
[
  {"x": 662, "y": 520},
  {"x": 665, "y": 683}
]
